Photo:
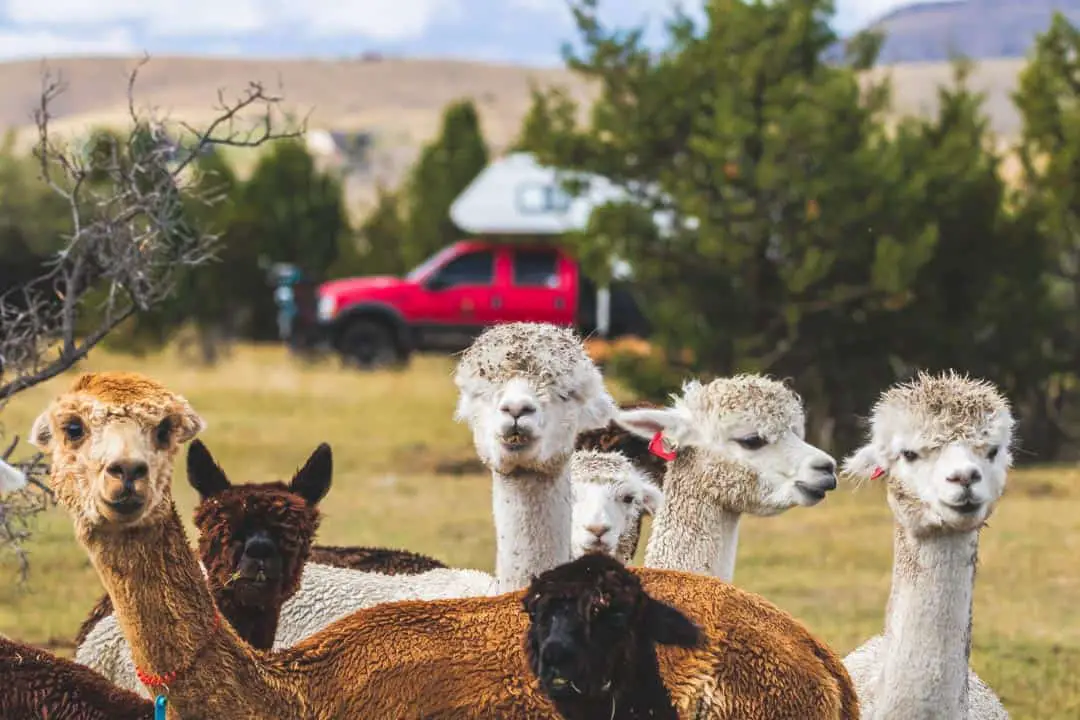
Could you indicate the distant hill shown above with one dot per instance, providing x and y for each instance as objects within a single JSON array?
[{"x": 978, "y": 29}]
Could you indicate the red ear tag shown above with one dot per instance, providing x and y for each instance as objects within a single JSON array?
[
  {"x": 878, "y": 472},
  {"x": 659, "y": 447}
]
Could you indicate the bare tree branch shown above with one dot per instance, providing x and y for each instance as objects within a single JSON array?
[{"x": 128, "y": 242}]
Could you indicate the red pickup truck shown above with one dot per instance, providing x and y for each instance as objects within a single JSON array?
[{"x": 447, "y": 300}]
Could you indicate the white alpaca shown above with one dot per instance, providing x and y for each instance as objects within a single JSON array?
[
  {"x": 610, "y": 496},
  {"x": 527, "y": 390},
  {"x": 941, "y": 445},
  {"x": 11, "y": 478},
  {"x": 739, "y": 448}
]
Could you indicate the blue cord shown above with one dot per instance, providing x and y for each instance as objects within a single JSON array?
[{"x": 159, "y": 707}]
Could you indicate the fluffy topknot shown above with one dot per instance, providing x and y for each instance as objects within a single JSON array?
[
  {"x": 774, "y": 407},
  {"x": 550, "y": 356},
  {"x": 603, "y": 467},
  {"x": 944, "y": 408}
]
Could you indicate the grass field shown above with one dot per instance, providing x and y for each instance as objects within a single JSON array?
[{"x": 404, "y": 477}]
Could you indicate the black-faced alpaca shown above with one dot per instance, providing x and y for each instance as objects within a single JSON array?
[
  {"x": 615, "y": 438},
  {"x": 38, "y": 684},
  {"x": 254, "y": 541},
  {"x": 592, "y": 640}
]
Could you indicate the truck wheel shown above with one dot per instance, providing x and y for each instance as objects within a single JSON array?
[{"x": 369, "y": 344}]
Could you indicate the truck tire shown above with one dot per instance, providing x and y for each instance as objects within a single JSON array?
[{"x": 369, "y": 345}]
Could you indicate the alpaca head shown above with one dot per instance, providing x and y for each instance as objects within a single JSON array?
[
  {"x": 591, "y": 624},
  {"x": 745, "y": 438},
  {"x": 610, "y": 495},
  {"x": 112, "y": 438},
  {"x": 942, "y": 445},
  {"x": 258, "y": 537},
  {"x": 527, "y": 390}
]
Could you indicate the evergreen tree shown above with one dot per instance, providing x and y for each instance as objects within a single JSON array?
[{"x": 445, "y": 168}]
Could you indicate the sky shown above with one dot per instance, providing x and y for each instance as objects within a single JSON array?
[{"x": 522, "y": 31}]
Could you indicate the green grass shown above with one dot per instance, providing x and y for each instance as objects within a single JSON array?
[{"x": 393, "y": 437}]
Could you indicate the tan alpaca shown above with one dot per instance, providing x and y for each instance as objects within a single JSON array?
[{"x": 113, "y": 437}]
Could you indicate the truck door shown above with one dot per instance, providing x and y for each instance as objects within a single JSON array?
[
  {"x": 542, "y": 287},
  {"x": 458, "y": 301}
]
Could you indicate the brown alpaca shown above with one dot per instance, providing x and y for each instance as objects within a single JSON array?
[
  {"x": 254, "y": 540},
  {"x": 241, "y": 527},
  {"x": 616, "y": 438},
  {"x": 387, "y": 561},
  {"x": 38, "y": 684},
  {"x": 112, "y": 438}
]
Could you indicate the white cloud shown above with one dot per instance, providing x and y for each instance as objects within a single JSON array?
[
  {"x": 379, "y": 19},
  {"x": 40, "y": 43}
]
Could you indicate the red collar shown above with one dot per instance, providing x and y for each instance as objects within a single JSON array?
[
  {"x": 152, "y": 681},
  {"x": 659, "y": 448}
]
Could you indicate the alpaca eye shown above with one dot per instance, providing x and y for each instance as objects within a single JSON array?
[
  {"x": 163, "y": 432},
  {"x": 909, "y": 455},
  {"x": 627, "y": 499},
  {"x": 992, "y": 455},
  {"x": 73, "y": 429},
  {"x": 752, "y": 442}
]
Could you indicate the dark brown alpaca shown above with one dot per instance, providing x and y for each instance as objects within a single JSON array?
[
  {"x": 373, "y": 559},
  {"x": 592, "y": 639},
  {"x": 615, "y": 438},
  {"x": 246, "y": 530},
  {"x": 38, "y": 684}
]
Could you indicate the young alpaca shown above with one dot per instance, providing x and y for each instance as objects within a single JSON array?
[
  {"x": 592, "y": 637},
  {"x": 941, "y": 444},
  {"x": 112, "y": 439},
  {"x": 610, "y": 497},
  {"x": 254, "y": 541},
  {"x": 737, "y": 447}
]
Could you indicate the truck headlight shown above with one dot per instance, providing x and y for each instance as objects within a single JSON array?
[{"x": 327, "y": 307}]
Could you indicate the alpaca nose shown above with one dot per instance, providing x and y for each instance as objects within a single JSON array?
[
  {"x": 965, "y": 478},
  {"x": 556, "y": 652},
  {"x": 259, "y": 547},
  {"x": 598, "y": 529},
  {"x": 828, "y": 467},
  {"x": 517, "y": 407},
  {"x": 128, "y": 472}
]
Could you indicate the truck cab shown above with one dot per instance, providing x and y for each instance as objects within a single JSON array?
[{"x": 446, "y": 301}]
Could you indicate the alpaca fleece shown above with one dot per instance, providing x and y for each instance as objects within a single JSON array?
[
  {"x": 38, "y": 684},
  {"x": 387, "y": 561},
  {"x": 616, "y": 438}
]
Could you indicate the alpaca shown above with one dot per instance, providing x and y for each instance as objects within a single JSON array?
[
  {"x": 941, "y": 443},
  {"x": 11, "y": 478},
  {"x": 610, "y": 497},
  {"x": 38, "y": 684},
  {"x": 254, "y": 541},
  {"x": 591, "y": 641},
  {"x": 388, "y": 561},
  {"x": 461, "y": 658},
  {"x": 615, "y": 438},
  {"x": 736, "y": 446}
]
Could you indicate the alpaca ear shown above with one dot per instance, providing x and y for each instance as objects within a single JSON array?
[
  {"x": 598, "y": 412},
  {"x": 863, "y": 462},
  {"x": 204, "y": 474},
  {"x": 312, "y": 481},
  {"x": 190, "y": 424},
  {"x": 41, "y": 434},
  {"x": 646, "y": 422},
  {"x": 652, "y": 498},
  {"x": 11, "y": 478},
  {"x": 667, "y": 626}
]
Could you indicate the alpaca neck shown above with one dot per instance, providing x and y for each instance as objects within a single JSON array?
[
  {"x": 255, "y": 624},
  {"x": 693, "y": 533},
  {"x": 928, "y": 627},
  {"x": 532, "y": 525}
]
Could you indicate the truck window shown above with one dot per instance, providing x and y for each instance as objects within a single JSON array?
[
  {"x": 536, "y": 268},
  {"x": 475, "y": 268}
]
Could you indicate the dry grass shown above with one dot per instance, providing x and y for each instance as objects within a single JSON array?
[{"x": 396, "y": 450}]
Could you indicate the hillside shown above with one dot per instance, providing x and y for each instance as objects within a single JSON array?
[
  {"x": 978, "y": 29},
  {"x": 399, "y": 101}
]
